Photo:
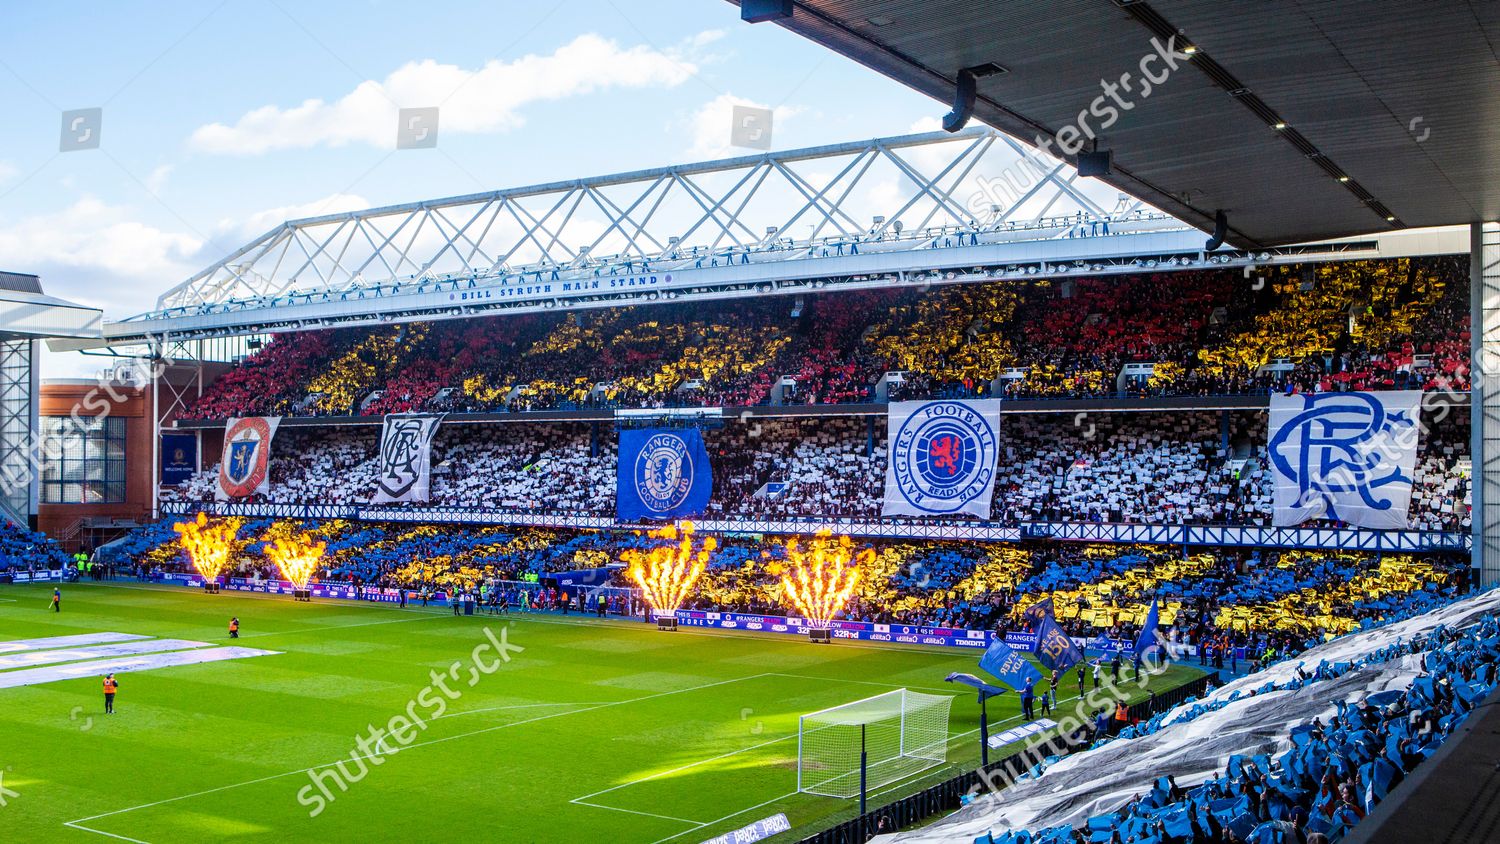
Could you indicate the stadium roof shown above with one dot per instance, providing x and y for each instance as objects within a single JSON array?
[
  {"x": 26, "y": 313},
  {"x": 1399, "y": 97}
]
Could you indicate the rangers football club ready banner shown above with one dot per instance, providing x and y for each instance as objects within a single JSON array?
[
  {"x": 1344, "y": 456},
  {"x": 662, "y": 474},
  {"x": 942, "y": 458},
  {"x": 406, "y": 458},
  {"x": 245, "y": 467}
]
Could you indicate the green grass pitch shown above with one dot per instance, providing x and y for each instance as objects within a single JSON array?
[{"x": 597, "y": 731}]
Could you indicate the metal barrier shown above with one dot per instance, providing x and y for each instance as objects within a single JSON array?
[{"x": 948, "y": 795}]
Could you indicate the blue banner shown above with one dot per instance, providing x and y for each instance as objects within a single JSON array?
[
  {"x": 662, "y": 474},
  {"x": 179, "y": 458},
  {"x": 1009, "y": 667},
  {"x": 861, "y": 630}
]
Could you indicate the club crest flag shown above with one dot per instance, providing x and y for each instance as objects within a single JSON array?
[
  {"x": 662, "y": 474},
  {"x": 1344, "y": 456},
  {"x": 942, "y": 458},
  {"x": 406, "y": 458},
  {"x": 245, "y": 467}
]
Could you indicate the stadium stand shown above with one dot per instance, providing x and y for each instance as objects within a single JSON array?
[
  {"x": 1383, "y": 324},
  {"x": 28, "y": 549},
  {"x": 1116, "y": 468},
  {"x": 1243, "y": 602}
]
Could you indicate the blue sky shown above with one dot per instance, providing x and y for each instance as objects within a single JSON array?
[{"x": 222, "y": 119}]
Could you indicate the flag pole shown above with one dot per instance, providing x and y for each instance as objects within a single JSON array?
[{"x": 863, "y": 768}]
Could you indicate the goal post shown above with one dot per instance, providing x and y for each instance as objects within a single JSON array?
[{"x": 900, "y": 734}]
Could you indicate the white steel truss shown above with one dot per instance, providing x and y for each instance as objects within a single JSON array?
[{"x": 899, "y": 192}]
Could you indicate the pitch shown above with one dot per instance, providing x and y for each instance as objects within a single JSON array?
[{"x": 592, "y": 730}]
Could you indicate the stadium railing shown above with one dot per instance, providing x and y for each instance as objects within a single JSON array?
[{"x": 949, "y": 795}]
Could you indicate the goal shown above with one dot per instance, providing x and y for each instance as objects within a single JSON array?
[{"x": 899, "y": 734}]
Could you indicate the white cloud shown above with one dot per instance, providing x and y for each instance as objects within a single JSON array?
[
  {"x": 99, "y": 255},
  {"x": 711, "y": 124},
  {"x": 489, "y": 99},
  {"x": 925, "y": 124},
  {"x": 256, "y": 224},
  {"x": 158, "y": 178}
]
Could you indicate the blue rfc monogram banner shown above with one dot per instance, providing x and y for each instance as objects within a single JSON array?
[
  {"x": 942, "y": 458},
  {"x": 1344, "y": 456},
  {"x": 662, "y": 474}
]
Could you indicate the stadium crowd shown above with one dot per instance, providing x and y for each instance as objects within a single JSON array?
[
  {"x": 1233, "y": 602},
  {"x": 1383, "y": 324},
  {"x": 1327, "y": 770}
]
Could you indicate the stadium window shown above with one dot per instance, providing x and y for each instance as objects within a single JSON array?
[{"x": 84, "y": 461}]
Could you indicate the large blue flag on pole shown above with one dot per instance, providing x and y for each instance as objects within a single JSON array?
[
  {"x": 1006, "y": 664},
  {"x": 1146, "y": 642},
  {"x": 1034, "y": 614},
  {"x": 1054, "y": 647}
]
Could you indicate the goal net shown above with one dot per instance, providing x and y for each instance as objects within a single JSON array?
[{"x": 900, "y": 733}]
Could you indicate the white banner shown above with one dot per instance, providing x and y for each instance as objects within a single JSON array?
[
  {"x": 405, "y": 459},
  {"x": 1344, "y": 456},
  {"x": 245, "y": 467},
  {"x": 942, "y": 458}
]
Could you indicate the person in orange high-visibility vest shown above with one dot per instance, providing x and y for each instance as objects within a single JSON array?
[
  {"x": 234, "y": 627},
  {"x": 110, "y": 687},
  {"x": 1122, "y": 716}
]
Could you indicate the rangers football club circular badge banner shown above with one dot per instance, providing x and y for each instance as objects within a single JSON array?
[
  {"x": 662, "y": 474},
  {"x": 942, "y": 458},
  {"x": 245, "y": 467}
]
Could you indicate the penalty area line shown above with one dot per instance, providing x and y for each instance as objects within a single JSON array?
[{"x": 78, "y": 826}]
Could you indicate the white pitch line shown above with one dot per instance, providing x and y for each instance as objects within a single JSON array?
[
  {"x": 877, "y": 792},
  {"x": 682, "y": 768},
  {"x": 695, "y": 824},
  {"x": 76, "y": 823},
  {"x": 726, "y": 817},
  {"x": 517, "y": 706},
  {"x": 79, "y": 826}
]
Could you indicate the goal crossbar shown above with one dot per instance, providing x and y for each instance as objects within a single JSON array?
[{"x": 895, "y": 735}]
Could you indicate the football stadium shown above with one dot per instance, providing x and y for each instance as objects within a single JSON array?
[{"x": 1100, "y": 456}]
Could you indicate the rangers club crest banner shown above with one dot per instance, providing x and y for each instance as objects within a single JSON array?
[
  {"x": 942, "y": 458},
  {"x": 405, "y": 458},
  {"x": 245, "y": 467},
  {"x": 1344, "y": 456},
  {"x": 662, "y": 474}
]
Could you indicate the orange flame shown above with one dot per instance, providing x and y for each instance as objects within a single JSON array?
[
  {"x": 296, "y": 558},
  {"x": 208, "y": 546},
  {"x": 819, "y": 582},
  {"x": 668, "y": 572}
]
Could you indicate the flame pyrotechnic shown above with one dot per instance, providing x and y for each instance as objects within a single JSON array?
[
  {"x": 208, "y": 545},
  {"x": 819, "y": 582},
  {"x": 296, "y": 558},
  {"x": 666, "y": 573}
]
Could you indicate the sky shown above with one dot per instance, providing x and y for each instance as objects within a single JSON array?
[{"x": 219, "y": 120}]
